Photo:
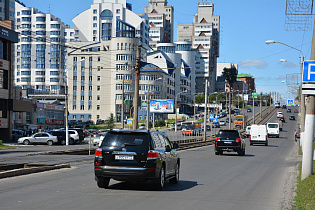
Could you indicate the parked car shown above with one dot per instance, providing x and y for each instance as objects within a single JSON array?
[
  {"x": 222, "y": 122},
  {"x": 75, "y": 136},
  {"x": 16, "y": 134},
  {"x": 172, "y": 128},
  {"x": 133, "y": 155},
  {"x": 98, "y": 139},
  {"x": 227, "y": 120},
  {"x": 215, "y": 125},
  {"x": 292, "y": 117},
  {"x": 39, "y": 138},
  {"x": 249, "y": 110},
  {"x": 229, "y": 140},
  {"x": 61, "y": 134}
]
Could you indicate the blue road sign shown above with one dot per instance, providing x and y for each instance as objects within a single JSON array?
[
  {"x": 129, "y": 121},
  {"x": 211, "y": 116},
  {"x": 215, "y": 119},
  {"x": 290, "y": 102},
  {"x": 309, "y": 71}
]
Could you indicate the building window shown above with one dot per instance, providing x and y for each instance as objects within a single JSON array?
[
  {"x": 90, "y": 88},
  {"x": 90, "y": 98},
  {"x": 98, "y": 107},
  {"x": 74, "y": 117},
  {"x": 95, "y": 25},
  {"x": 82, "y": 88},
  {"x": 98, "y": 98},
  {"x": 82, "y": 98},
  {"x": 74, "y": 107},
  {"x": 118, "y": 11},
  {"x": 98, "y": 78},
  {"x": 82, "y": 116},
  {"x": 94, "y": 11},
  {"x": 82, "y": 107},
  {"x": 89, "y": 107},
  {"x": 94, "y": 18},
  {"x": 98, "y": 88}
]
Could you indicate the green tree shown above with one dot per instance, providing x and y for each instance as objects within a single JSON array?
[
  {"x": 230, "y": 75},
  {"x": 218, "y": 97},
  {"x": 110, "y": 122},
  {"x": 237, "y": 100},
  {"x": 200, "y": 99}
]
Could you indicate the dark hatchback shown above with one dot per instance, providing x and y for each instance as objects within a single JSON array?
[
  {"x": 229, "y": 140},
  {"x": 282, "y": 119},
  {"x": 136, "y": 155},
  {"x": 292, "y": 117}
]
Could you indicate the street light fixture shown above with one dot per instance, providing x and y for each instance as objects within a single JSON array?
[{"x": 302, "y": 106}]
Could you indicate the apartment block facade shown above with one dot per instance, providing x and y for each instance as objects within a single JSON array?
[
  {"x": 204, "y": 33},
  {"x": 161, "y": 18},
  {"x": 40, "y": 53}
]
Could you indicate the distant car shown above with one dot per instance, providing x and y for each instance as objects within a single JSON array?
[
  {"x": 282, "y": 119},
  {"x": 39, "y": 138},
  {"x": 222, "y": 122},
  {"x": 292, "y": 117},
  {"x": 223, "y": 114},
  {"x": 289, "y": 110},
  {"x": 296, "y": 111},
  {"x": 172, "y": 128},
  {"x": 249, "y": 110},
  {"x": 208, "y": 127},
  {"x": 279, "y": 114},
  {"x": 215, "y": 125}
]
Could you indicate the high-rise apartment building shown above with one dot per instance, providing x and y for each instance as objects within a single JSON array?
[
  {"x": 102, "y": 63},
  {"x": 161, "y": 19},
  {"x": 41, "y": 52},
  {"x": 204, "y": 34},
  {"x": 7, "y": 9}
]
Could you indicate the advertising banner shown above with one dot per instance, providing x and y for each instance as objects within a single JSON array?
[{"x": 165, "y": 106}]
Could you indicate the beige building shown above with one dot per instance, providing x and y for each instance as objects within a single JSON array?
[
  {"x": 161, "y": 19},
  {"x": 204, "y": 35}
]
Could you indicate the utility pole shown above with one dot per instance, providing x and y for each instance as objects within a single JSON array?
[
  {"x": 260, "y": 105},
  {"x": 66, "y": 113},
  {"x": 308, "y": 137},
  {"x": 205, "y": 115},
  {"x": 148, "y": 108},
  {"x": 136, "y": 95},
  {"x": 123, "y": 104},
  {"x": 253, "y": 107},
  {"x": 230, "y": 109}
]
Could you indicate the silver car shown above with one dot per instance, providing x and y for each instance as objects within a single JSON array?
[{"x": 39, "y": 138}]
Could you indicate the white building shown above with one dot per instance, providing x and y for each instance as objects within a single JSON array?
[
  {"x": 40, "y": 53},
  {"x": 161, "y": 19},
  {"x": 106, "y": 37},
  {"x": 204, "y": 35}
]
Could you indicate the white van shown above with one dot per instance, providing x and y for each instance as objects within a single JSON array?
[
  {"x": 273, "y": 129},
  {"x": 258, "y": 135}
]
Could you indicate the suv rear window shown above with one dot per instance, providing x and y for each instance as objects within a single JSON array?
[
  {"x": 122, "y": 139},
  {"x": 228, "y": 134}
]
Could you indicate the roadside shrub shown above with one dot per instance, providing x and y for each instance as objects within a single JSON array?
[
  {"x": 0, "y": 142},
  {"x": 159, "y": 123}
]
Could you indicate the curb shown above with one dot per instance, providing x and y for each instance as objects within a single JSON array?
[{"x": 31, "y": 168}]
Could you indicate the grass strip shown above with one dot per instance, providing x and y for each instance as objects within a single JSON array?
[{"x": 305, "y": 192}]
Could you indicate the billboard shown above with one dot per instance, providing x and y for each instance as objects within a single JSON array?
[{"x": 162, "y": 106}]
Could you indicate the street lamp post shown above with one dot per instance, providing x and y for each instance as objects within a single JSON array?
[{"x": 302, "y": 105}]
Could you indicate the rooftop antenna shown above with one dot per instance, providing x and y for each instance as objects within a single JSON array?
[{"x": 49, "y": 9}]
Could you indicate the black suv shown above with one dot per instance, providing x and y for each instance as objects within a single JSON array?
[
  {"x": 136, "y": 155},
  {"x": 229, "y": 140},
  {"x": 61, "y": 136}
]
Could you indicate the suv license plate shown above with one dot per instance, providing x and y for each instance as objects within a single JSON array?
[{"x": 123, "y": 157}]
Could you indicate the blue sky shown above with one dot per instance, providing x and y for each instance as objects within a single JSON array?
[{"x": 245, "y": 26}]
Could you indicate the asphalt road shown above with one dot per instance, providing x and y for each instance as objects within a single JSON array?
[{"x": 262, "y": 179}]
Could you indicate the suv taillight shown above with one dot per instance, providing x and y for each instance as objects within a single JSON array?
[
  {"x": 152, "y": 155},
  {"x": 238, "y": 140},
  {"x": 250, "y": 137},
  {"x": 217, "y": 139},
  {"x": 98, "y": 153}
]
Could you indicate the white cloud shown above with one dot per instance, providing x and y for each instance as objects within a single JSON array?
[{"x": 259, "y": 64}]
